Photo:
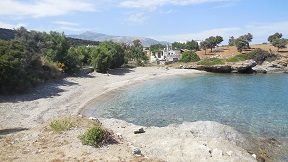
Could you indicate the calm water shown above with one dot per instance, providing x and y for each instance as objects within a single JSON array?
[{"x": 253, "y": 104}]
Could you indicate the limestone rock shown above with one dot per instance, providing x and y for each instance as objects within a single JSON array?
[
  {"x": 229, "y": 153},
  {"x": 138, "y": 131},
  {"x": 217, "y": 153}
]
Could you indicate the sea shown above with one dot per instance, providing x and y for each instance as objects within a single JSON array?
[{"x": 253, "y": 104}]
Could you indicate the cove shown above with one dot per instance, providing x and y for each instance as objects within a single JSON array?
[{"x": 252, "y": 104}]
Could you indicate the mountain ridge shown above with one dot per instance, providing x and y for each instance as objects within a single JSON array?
[{"x": 89, "y": 35}]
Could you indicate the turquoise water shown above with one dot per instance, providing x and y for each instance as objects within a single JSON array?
[{"x": 253, "y": 104}]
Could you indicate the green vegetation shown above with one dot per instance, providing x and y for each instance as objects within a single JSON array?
[
  {"x": 231, "y": 41},
  {"x": 211, "y": 61},
  {"x": 211, "y": 42},
  {"x": 190, "y": 45},
  {"x": 135, "y": 52},
  {"x": 62, "y": 125},
  {"x": 157, "y": 47},
  {"x": 95, "y": 136},
  {"x": 277, "y": 35},
  {"x": 243, "y": 42},
  {"x": 6, "y": 34},
  {"x": 31, "y": 57},
  {"x": 189, "y": 56},
  {"x": 237, "y": 58},
  {"x": 277, "y": 40},
  {"x": 260, "y": 55}
]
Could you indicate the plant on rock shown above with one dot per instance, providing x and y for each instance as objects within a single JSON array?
[{"x": 95, "y": 136}]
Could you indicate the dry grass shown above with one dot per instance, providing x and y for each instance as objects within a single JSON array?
[{"x": 230, "y": 51}]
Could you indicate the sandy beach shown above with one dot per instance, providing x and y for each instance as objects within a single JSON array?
[
  {"x": 204, "y": 141},
  {"x": 69, "y": 95}
]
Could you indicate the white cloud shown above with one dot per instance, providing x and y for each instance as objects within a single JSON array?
[
  {"x": 224, "y": 32},
  {"x": 66, "y": 23},
  {"x": 43, "y": 8},
  {"x": 152, "y": 4},
  {"x": 268, "y": 28},
  {"x": 260, "y": 32},
  {"x": 11, "y": 26},
  {"x": 137, "y": 18},
  {"x": 65, "y": 28}
]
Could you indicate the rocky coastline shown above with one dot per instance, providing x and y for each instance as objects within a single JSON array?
[
  {"x": 244, "y": 67},
  {"x": 25, "y": 134}
]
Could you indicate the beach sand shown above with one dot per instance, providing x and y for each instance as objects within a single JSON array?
[{"x": 68, "y": 97}]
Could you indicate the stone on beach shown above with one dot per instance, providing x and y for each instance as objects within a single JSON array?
[{"x": 139, "y": 130}]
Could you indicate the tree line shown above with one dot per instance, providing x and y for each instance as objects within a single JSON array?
[
  {"x": 242, "y": 42},
  {"x": 33, "y": 57}
]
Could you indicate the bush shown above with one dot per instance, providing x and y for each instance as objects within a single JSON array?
[
  {"x": 259, "y": 55},
  {"x": 237, "y": 58},
  {"x": 95, "y": 136},
  {"x": 62, "y": 125},
  {"x": 189, "y": 56},
  {"x": 211, "y": 61}
]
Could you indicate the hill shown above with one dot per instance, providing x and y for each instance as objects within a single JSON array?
[
  {"x": 6, "y": 34},
  {"x": 9, "y": 34},
  {"x": 146, "y": 42},
  {"x": 230, "y": 51}
]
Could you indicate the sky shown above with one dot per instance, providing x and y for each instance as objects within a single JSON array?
[{"x": 163, "y": 20}]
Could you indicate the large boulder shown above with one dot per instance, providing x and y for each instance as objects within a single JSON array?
[
  {"x": 278, "y": 66},
  {"x": 241, "y": 67}
]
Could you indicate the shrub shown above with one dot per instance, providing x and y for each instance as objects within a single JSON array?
[
  {"x": 62, "y": 125},
  {"x": 237, "y": 58},
  {"x": 189, "y": 56},
  {"x": 95, "y": 136},
  {"x": 211, "y": 61},
  {"x": 259, "y": 55}
]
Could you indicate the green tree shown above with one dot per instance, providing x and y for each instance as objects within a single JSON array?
[
  {"x": 157, "y": 47},
  {"x": 271, "y": 38},
  {"x": 243, "y": 42},
  {"x": 136, "y": 53},
  {"x": 231, "y": 41},
  {"x": 279, "y": 43},
  {"x": 116, "y": 52},
  {"x": 213, "y": 41},
  {"x": 189, "y": 56},
  {"x": 178, "y": 45},
  {"x": 192, "y": 45},
  {"x": 19, "y": 70},
  {"x": 101, "y": 59},
  {"x": 204, "y": 45},
  {"x": 259, "y": 55}
]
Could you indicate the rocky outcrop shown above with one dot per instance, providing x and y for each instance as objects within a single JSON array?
[
  {"x": 248, "y": 67},
  {"x": 241, "y": 67},
  {"x": 200, "y": 141},
  {"x": 278, "y": 66},
  {"x": 244, "y": 67}
]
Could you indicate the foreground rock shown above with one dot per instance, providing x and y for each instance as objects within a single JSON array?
[
  {"x": 279, "y": 66},
  {"x": 240, "y": 67},
  {"x": 247, "y": 67},
  {"x": 197, "y": 141}
]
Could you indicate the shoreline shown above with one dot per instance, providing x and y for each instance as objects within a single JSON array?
[{"x": 70, "y": 96}]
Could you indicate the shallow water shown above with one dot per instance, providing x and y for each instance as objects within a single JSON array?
[{"x": 253, "y": 104}]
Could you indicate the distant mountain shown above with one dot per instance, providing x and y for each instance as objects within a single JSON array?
[{"x": 146, "y": 42}]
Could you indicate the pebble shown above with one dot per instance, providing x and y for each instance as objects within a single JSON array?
[
  {"x": 229, "y": 153},
  {"x": 254, "y": 156},
  {"x": 217, "y": 153},
  {"x": 136, "y": 151}
]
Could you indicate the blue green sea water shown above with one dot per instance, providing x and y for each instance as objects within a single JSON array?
[{"x": 253, "y": 104}]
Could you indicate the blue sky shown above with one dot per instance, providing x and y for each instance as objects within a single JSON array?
[{"x": 164, "y": 20}]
